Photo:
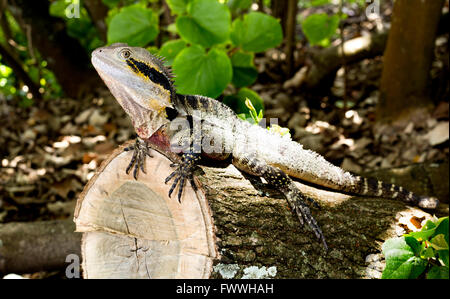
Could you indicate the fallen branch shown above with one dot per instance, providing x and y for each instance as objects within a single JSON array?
[
  {"x": 328, "y": 60},
  {"x": 27, "y": 247}
]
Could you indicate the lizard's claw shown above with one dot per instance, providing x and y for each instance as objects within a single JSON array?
[
  {"x": 304, "y": 215},
  {"x": 140, "y": 152},
  {"x": 183, "y": 171}
]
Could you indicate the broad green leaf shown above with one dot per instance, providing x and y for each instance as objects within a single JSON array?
[
  {"x": 134, "y": 25},
  {"x": 207, "y": 23},
  {"x": 256, "y": 32},
  {"x": 319, "y": 28},
  {"x": 244, "y": 71},
  {"x": 237, "y": 103},
  {"x": 171, "y": 49},
  {"x": 201, "y": 72},
  {"x": 178, "y": 6},
  {"x": 401, "y": 261},
  {"x": 437, "y": 272}
]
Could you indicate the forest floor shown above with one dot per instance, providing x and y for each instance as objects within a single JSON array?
[{"x": 49, "y": 151}]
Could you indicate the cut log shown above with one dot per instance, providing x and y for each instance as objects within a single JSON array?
[{"x": 132, "y": 229}]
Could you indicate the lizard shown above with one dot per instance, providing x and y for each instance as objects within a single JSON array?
[{"x": 196, "y": 128}]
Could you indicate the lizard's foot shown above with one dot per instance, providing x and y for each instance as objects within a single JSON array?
[
  {"x": 140, "y": 152},
  {"x": 280, "y": 180},
  {"x": 304, "y": 215},
  {"x": 184, "y": 170}
]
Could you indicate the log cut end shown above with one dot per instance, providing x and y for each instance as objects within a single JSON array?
[{"x": 132, "y": 229}]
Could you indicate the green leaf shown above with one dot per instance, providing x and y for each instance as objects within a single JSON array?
[
  {"x": 178, "y": 6},
  {"x": 319, "y": 28},
  {"x": 426, "y": 232},
  {"x": 237, "y": 5},
  {"x": 207, "y": 23},
  {"x": 442, "y": 227},
  {"x": 170, "y": 49},
  {"x": 437, "y": 272},
  {"x": 237, "y": 103},
  {"x": 134, "y": 25},
  {"x": 58, "y": 8},
  {"x": 414, "y": 244},
  {"x": 443, "y": 256},
  {"x": 438, "y": 242},
  {"x": 111, "y": 3},
  {"x": 244, "y": 72},
  {"x": 201, "y": 72},
  {"x": 401, "y": 261},
  {"x": 427, "y": 252},
  {"x": 256, "y": 32}
]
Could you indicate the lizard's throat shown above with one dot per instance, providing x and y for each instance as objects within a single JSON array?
[{"x": 146, "y": 120}]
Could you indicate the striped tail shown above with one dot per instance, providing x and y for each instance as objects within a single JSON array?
[{"x": 373, "y": 187}]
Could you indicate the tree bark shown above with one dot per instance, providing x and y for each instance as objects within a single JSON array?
[
  {"x": 407, "y": 60},
  {"x": 132, "y": 229}
]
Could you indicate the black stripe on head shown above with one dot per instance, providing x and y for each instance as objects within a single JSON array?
[
  {"x": 151, "y": 73},
  {"x": 133, "y": 67}
]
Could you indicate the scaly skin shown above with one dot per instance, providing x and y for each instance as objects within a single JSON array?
[{"x": 198, "y": 127}]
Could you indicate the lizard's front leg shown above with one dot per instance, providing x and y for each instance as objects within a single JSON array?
[
  {"x": 140, "y": 152},
  {"x": 184, "y": 171},
  {"x": 276, "y": 177}
]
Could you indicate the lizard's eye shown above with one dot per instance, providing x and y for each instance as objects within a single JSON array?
[{"x": 125, "y": 54}]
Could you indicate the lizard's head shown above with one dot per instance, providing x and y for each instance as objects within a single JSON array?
[{"x": 139, "y": 81}]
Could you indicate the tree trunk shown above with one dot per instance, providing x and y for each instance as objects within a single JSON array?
[
  {"x": 291, "y": 22},
  {"x": 408, "y": 57},
  {"x": 133, "y": 229},
  {"x": 97, "y": 12},
  {"x": 65, "y": 55}
]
